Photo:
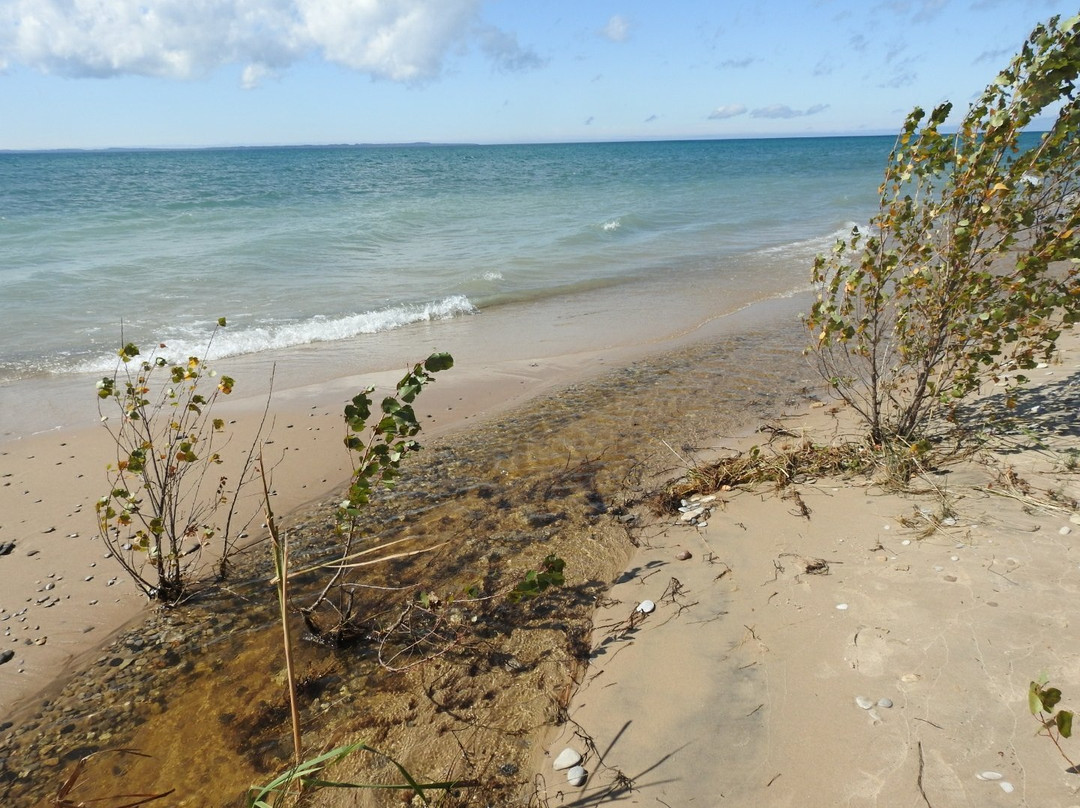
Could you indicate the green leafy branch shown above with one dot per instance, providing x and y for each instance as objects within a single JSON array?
[
  {"x": 536, "y": 581},
  {"x": 1055, "y": 724}
]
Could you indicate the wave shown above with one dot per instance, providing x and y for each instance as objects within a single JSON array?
[
  {"x": 813, "y": 245},
  {"x": 257, "y": 338}
]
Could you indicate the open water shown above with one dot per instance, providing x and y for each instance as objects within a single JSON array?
[{"x": 307, "y": 245}]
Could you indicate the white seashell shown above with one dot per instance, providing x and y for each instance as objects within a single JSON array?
[
  {"x": 948, "y": 520},
  {"x": 567, "y": 758},
  {"x": 954, "y": 558},
  {"x": 906, "y": 542},
  {"x": 646, "y": 607},
  {"x": 864, "y": 702},
  {"x": 842, "y": 606},
  {"x": 988, "y": 776},
  {"x": 886, "y": 703},
  {"x": 689, "y": 516},
  {"x": 1006, "y": 786},
  {"x": 576, "y": 776},
  {"x": 1065, "y": 530},
  {"x": 910, "y": 677}
]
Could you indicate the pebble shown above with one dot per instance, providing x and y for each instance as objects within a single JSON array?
[
  {"x": 906, "y": 542},
  {"x": 567, "y": 758},
  {"x": 646, "y": 607},
  {"x": 684, "y": 555},
  {"x": 576, "y": 776},
  {"x": 6, "y": 656},
  {"x": 885, "y": 703},
  {"x": 1006, "y": 786},
  {"x": 1065, "y": 530},
  {"x": 842, "y": 606},
  {"x": 864, "y": 702}
]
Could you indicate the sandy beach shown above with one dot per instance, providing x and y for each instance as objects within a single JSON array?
[
  {"x": 851, "y": 646},
  {"x": 842, "y": 644}
]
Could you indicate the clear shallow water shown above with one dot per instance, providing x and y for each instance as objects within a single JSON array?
[{"x": 306, "y": 245}]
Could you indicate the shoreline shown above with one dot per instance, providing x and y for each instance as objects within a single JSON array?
[{"x": 52, "y": 479}]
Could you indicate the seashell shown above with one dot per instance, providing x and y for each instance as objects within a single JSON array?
[
  {"x": 1065, "y": 530},
  {"x": 864, "y": 702},
  {"x": 886, "y": 703},
  {"x": 841, "y": 606},
  {"x": 576, "y": 776},
  {"x": 1006, "y": 786},
  {"x": 910, "y": 677},
  {"x": 646, "y": 607},
  {"x": 567, "y": 758},
  {"x": 988, "y": 776}
]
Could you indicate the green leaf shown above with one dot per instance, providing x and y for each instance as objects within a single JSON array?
[
  {"x": 1064, "y": 723},
  {"x": 438, "y": 361},
  {"x": 1049, "y": 697},
  {"x": 1034, "y": 700}
]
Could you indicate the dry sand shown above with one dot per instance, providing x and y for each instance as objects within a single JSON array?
[{"x": 740, "y": 689}]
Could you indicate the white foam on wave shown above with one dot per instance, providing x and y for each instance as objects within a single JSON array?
[
  {"x": 813, "y": 245},
  {"x": 611, "y": 225},
  {"x": 254, "y": 339}
]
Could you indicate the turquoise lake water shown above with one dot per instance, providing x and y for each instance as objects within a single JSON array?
[{"x": 307, "y": 245}]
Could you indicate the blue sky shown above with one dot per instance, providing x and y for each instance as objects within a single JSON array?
[{"x": 115, "y": 73}]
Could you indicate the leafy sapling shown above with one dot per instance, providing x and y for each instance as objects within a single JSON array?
[
  {"x": 167, "y": 498},
  {"x": 1055, "y": 724}
]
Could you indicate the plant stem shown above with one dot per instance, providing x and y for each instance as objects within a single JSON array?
[{"x": 281, "y": 563}]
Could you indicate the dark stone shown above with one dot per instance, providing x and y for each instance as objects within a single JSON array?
[
  {"x": 6, "y": 547},
  {"x": 6, "y": 655}
]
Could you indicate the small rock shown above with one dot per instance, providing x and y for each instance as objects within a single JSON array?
[
  {"x": 842, "y": 607},
  {"x": 6, "y": 656},
  {"x": 1065, "y": 530},
  {"x": 684, "y": 555},
  {"x": 567, "y": 758},
  {"x": 1006, "y": 786},
  {"x": 576, "y": 776},
  {"x": 886, "y": 703},
  {"x": 646, "y": 607},
  {"x": 864, "y": 702}
]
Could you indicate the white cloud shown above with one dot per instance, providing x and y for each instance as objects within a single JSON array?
[
  {"x": 784, "y": 111},
  {"x": 617, "y": 29},
  {"x": 503, "y": 49},
  {"x": 726, "y": 111},
  {"x": 400, "y": 40}
]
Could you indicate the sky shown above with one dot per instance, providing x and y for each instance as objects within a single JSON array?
[{"x": 192, "y": 73}]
